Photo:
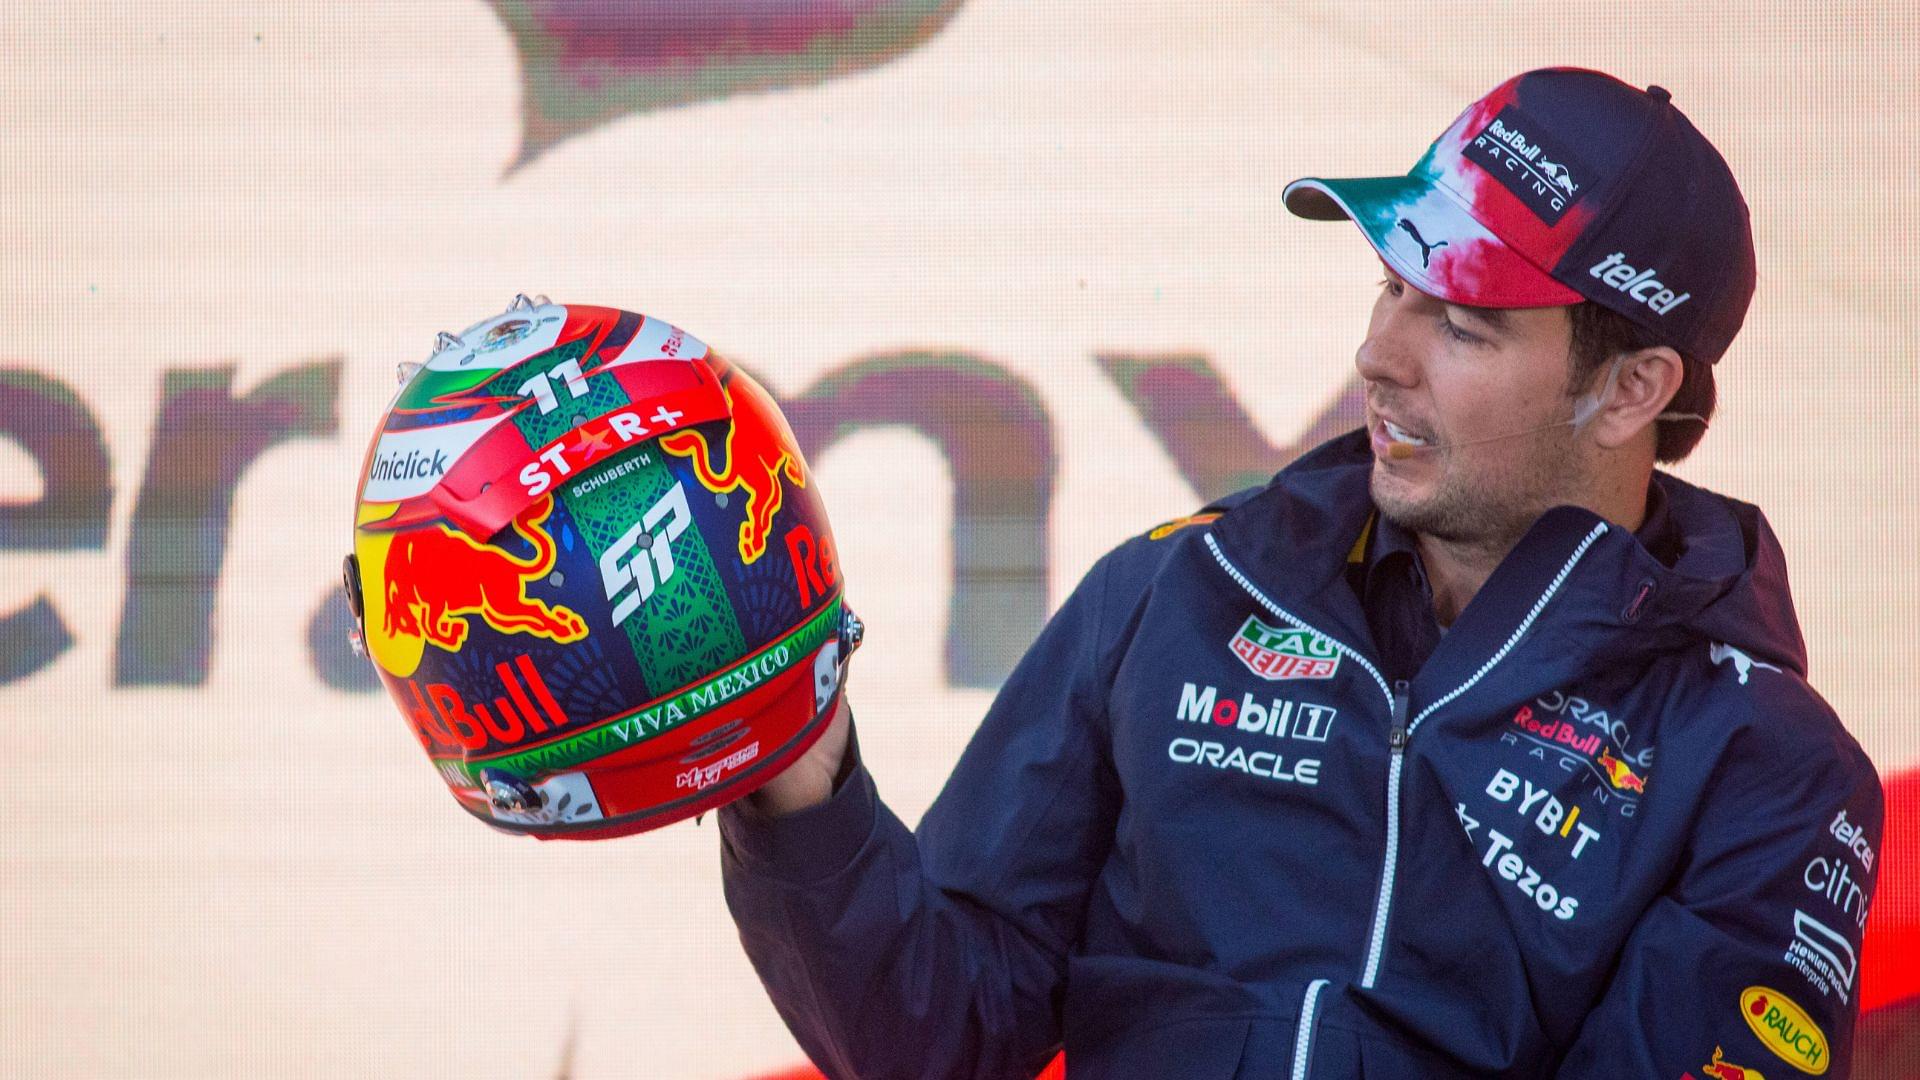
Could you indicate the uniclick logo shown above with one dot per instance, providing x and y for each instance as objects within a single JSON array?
[
  {"x": 1273, "y": 653},
  {"x": 409, "y": 465}
]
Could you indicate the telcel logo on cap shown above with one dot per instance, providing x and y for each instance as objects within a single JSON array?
[{"x": 1639, "y": 284}]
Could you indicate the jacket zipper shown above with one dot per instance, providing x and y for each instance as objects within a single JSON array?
[
  {"x": 1303, "y": 1034},
  {"x": 1402, "y": 730},
  {"x": 1309, "y": 1018},
  {"x": 1397, "y": 747}
]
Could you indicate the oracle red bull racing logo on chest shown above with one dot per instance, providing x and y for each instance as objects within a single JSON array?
[
  {"x": 1584, "y": 738},
  {"x": 1273, "y": 653}
]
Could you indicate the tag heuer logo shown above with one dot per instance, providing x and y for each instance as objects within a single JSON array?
[{"x": 1272, "y": 653}]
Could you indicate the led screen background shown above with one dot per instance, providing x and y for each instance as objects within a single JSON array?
[{"x": 1018, "y": 271}]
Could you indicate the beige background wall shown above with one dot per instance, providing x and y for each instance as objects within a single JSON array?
[{"x": 256, "y": 874}]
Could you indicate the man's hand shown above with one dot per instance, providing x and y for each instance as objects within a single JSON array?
[{"x": 809, "y": 781}]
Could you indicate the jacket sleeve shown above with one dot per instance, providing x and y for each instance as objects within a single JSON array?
[
  {"x": 1748, "y": 962},
  {"x": 941, "y": 953}
]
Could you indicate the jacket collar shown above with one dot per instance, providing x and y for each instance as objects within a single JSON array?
[{"x": 1293, "y": 539}]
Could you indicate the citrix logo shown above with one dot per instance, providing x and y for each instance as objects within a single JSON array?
[{"x": 1639, "y": 284}]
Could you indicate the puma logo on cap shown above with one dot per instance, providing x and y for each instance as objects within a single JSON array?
[{"x": 1426, "y": 249}]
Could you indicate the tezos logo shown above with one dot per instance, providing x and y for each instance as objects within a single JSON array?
[
  {"x": 1545, "y": 178},
  {"x": 1273, "y": 653}
]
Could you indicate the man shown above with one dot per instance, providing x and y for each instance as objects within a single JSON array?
[{"x": 1470, "y": 745}]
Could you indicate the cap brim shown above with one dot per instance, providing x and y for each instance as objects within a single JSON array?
[{"x": 1425, "y": 233}]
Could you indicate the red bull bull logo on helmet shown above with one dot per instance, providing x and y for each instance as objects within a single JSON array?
[
  {"x": 759, "y": 450},
  {"x": 433, "y": 580}
]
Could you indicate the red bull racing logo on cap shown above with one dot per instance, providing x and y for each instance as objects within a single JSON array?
[
  {"x": 759, "y": 450},
  {"x": 1546, "y": 179},
  {"x": 1273, "y": 653}
]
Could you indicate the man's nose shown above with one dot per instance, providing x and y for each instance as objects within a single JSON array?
[{"x": 1390, "y": 353}]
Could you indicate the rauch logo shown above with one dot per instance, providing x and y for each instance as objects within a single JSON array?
[{"x": 1785, "y": 1028}]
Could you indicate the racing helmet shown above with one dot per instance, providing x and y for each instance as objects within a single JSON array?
[{"x": 594, "y": 573}]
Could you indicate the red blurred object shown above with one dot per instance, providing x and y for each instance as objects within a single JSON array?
[
  {"x": 1055, "y": 1071},
  {"x": 1890, "y": 966}
]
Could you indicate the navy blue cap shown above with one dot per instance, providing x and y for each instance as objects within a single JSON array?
[{"x": 1566, "y": 184}]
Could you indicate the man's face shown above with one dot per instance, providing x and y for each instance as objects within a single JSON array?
[{"x": 1449, "y": 375}]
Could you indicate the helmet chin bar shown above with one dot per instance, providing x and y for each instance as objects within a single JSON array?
[{"x": 357, "y": 633}]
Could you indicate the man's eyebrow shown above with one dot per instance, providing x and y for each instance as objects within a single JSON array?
[{"x": 1494, "y": 317}]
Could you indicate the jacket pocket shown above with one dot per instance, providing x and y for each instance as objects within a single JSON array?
[
  {"x": 1128, "y": 1016},
  {"x": 1194, "y": 1048}
]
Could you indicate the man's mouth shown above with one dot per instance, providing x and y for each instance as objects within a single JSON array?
[{"x": 1399, "y": 434}]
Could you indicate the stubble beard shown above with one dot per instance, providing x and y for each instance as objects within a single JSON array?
[{"x": 1480, "y": 508}]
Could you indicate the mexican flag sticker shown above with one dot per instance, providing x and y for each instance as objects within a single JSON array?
[{"x": 1273, "y": 653}]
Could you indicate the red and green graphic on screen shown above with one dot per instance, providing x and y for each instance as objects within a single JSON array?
[{"x": 594, "y": 573}]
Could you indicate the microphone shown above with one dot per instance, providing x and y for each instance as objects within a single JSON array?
[
  {"x": 1400, "y": 451},
  {"x": 1588, "y": 408}
]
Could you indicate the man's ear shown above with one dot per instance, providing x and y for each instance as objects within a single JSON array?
[{"x": 1649, "y": 378}]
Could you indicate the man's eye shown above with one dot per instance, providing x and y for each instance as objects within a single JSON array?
[
  {"x": 1447, "y": 327},
  {"x": 1393, "y": 287}
]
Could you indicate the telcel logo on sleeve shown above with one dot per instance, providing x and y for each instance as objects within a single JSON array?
[{"x": 1785, "y": 1028}]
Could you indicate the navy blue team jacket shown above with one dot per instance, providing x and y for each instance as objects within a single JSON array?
[{"x": 1607, "y": 829}]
